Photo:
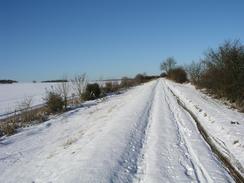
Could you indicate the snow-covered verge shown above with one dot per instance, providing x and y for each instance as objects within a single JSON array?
[
  {"x": 225, "y": 126},
  {"x": 75, "y": 146},
  {"x": 142, "y": 135},
  {"x": 12, "y": 95}
]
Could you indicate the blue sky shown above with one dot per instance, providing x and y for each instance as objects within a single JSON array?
[{"x": 45, "y": 39}]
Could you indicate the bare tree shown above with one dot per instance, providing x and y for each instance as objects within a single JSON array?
[
  {"x": 25, "y": 104},
  {"x": 224, "y": 71},
  {"x": 79, "y": 85},
  {"x": 194, "y": 70},
  {"x": 167, "y": 64},
  {"x": 25, "y": 108},
  {"x": 63, "y": 89}
]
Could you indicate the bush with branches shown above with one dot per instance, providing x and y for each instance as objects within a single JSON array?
[
  {"x": 63, "y": 89},
  {"x": 110, "y": 87},
  {"x": 168, "y": 64},
  {"x": 224, "y": 71},
  {"x": 194, "y": 71},
  {"x": 127, "y": 82},
  {"x": 92, "y": 92},
  {"x": 26, "y": 111},
  {"x": 54, "y": 102},
  {"x": 178, "y": 75},
  {"x": 79, "y": 85},
  {"x": 139, "y": 78},
  {"x": 7, "y": 129}
]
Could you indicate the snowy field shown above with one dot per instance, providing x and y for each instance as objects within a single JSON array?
[
  {"x": 12, "y": 95},
  {"x": 142, "y": 135}
]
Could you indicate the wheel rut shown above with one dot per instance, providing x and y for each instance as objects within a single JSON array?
[
  {"x": 220, "y": 156},
  {"x": 199, "y": 171},
  {"x": 128, "y": 169},
  {"x": 169, "y": 154}
]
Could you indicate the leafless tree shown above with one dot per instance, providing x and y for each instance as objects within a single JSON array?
[
  {"x": 25, "y": 109},
  {"x": 79, "y": 85},
  {"x": 194, "y": 70},
  {"x": 224, "y": 71},
  {"x": 63, "y": 89},
  {"x": 25, "y": 104},
  {"x": 167, "y": 64}
]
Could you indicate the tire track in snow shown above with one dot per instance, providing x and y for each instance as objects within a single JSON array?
[
  {"x": 201, "y": 174},
  {"x": 128, "y": 168},
  {"x": 171, "y": 157},
  {"x": 184, "y": 158},
  {"x": 116, "y": 148},
  {"x": 141, "y": 161},
  {"x": 226, "y": 162}
]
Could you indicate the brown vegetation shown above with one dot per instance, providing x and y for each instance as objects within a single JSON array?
[
  {"x": 177, "y": 74},
  {"x": 221, "y": 72},
  {"x": 57, "y": 100}
]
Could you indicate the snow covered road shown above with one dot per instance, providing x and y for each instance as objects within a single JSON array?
[{"x": 143, "y": 135}]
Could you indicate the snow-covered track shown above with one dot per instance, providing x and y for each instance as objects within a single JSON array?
[
  {"x": 174, "y": 150},
  {"x": 129, "y": 162},
  {"x": 142, "y": 135}
]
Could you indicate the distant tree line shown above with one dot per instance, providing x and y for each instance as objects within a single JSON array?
[
  {"x": 7, "y": 81},
  {"x": 55, "y": 81}
]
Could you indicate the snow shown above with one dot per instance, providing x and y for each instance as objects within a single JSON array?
[
  {"x": 225, "y": 126},
  {"x": 11, "y": 95},
  {"x": 174, "y": 141},
  {"x": 142, "y": 135}
]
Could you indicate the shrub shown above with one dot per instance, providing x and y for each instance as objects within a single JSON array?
[
  {"x": 168, "y": 64},
  {"x": 79, "y": 85},
  {"x": 110, "y": 87},
  {"x": 163, "y": 75},
  {"x": 26, "y": 115},
  {"x": 92, "y": 92},
  {"x": 54, "y": 102},
  {"x": 8, "y": 129},
  {"x": 140, "y": 78},
  {"x": 63, "y": 88},
  {"x": 178, "y": 75},
  {"x": 126, "y": 82},
  {"x": 223, "y": 72},
  {"x": 195, "y": 71},
  {"x": 115, "y": 86}
]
